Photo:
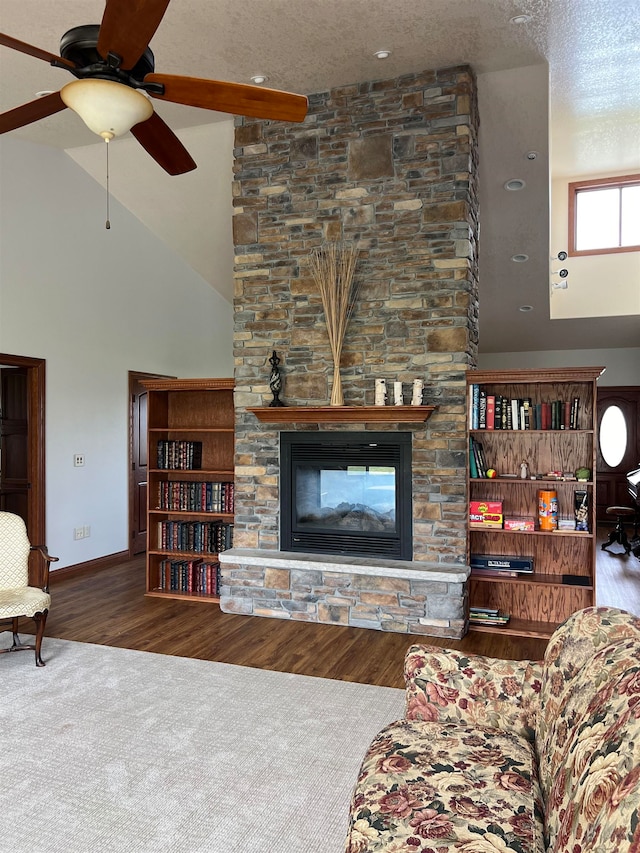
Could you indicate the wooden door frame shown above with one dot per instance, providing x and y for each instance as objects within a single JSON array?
[
  {"x": 36, "y": 500},
  {"x": 135, "y": 376}
]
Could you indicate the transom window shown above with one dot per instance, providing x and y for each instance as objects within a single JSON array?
[{"x": 604, "y": 216}]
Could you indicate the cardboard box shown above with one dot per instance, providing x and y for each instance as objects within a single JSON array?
[
  {"x": 501, "y": 563},
  {"x": 519, "y": 522},
  {"x": 485, "y": 514}
]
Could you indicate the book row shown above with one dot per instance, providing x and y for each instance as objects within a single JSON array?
[
  {"x": 494, "y": 411},
  {"x": 195, "y": 497},
  {"x": 195, "y": 576},
  {"x": 487, "y": 616},
  {"x": 200, "y": 537},
  {"x": 179, "y": 455}
]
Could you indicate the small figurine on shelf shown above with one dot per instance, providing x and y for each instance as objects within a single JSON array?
[
  {"x": 275, "y": 382},
  {"x": 380, "y": 392},
  {"x": 418, "y": 389},
  {"x": 524, "y": 471}
]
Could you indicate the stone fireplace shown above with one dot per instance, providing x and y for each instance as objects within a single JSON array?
[{"x": 390, "y": 165}]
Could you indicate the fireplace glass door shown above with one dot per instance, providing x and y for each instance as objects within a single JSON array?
[{"x": 346, "y": 493}]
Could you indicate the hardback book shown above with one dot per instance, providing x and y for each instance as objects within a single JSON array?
[
  {"x": 482, "y": 409},
  {"x": 491, "y": 411},
  {"x": 498, "y": 412},
  {"x": 494, "y": 573},
  {"x": 473, "y": 467}
]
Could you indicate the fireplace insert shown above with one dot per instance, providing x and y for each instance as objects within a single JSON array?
[{"x": 346, "y": 493}]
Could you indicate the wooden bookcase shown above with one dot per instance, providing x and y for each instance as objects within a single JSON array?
[
  {"x": 182, "y": 412},
  {"x": 537, "y": 602}
]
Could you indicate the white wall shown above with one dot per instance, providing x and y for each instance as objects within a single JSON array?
[
  {"x": 599, "y": 285},
  {"x": 94, "y": 303},
  {"x": 622, "y": 365}
]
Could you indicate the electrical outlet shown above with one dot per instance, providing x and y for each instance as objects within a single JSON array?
[
  {"x": 78, "y": 460},
  {"x": 78, "y": 533}
]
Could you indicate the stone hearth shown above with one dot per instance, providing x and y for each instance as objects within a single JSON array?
[{"x": 392, "y": 166}]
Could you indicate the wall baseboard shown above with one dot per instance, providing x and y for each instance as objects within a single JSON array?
[{"x": 98, "y": 564}]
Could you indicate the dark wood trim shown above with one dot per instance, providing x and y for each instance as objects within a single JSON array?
[
  {"x": 135, "y": 377},
  {"x": 100, "y": 563},
  {"x": 190, "y": 384},
  {"x": 36, "y": 521}
]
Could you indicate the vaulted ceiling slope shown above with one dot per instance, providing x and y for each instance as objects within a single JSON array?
[{"x": 565, "y": 83}]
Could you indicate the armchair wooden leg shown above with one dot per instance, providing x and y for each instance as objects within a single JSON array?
[
  {"x": 40, "y": 619},
  {"x": 14, "y": 631}
]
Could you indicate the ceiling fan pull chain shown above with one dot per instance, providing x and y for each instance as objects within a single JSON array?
[{"x": 107, "y": 224}]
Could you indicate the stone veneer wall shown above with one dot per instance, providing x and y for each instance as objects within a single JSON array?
[{"x": 391, "y": 165}]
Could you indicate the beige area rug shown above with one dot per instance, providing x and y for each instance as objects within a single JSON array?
[{"x": 132, "y": 752}]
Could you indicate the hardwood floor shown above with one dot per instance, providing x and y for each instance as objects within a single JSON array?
[
  {"x": 108, "y": 607},
  {"x": 617, "y": 576}
]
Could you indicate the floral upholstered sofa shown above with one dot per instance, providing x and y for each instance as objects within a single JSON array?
[{"x": 497, "y": 756}]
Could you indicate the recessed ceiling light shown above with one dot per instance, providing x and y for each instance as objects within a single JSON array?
[
  {"x": 525, "y": 308},
  {"x": 520, "y": 259},
  {"x": 532, "y": 155},
  {"x": 382, "y": 54},
  {"x": 259, "y": 78},
  {"x": 520, "y": 19},
  {"x": 44, "y": 93},
  {"x": 515, "y": 184}
]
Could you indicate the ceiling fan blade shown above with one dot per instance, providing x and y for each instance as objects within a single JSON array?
[
  {"x": 157, "y": 138},
  {"x": 127, "y": 28},
  {"x": 34, "y": 110},
  {"x": 238, "y": 98},
  {"x": 23, "y": 47}
]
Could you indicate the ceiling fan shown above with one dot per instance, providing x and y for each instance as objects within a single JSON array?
[{"x": 113, "y": 66}]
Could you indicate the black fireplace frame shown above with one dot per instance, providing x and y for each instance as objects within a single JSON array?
[{"x": 392, "y": 449}]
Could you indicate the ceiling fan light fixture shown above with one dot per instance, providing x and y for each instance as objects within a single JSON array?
[{"x": 107, "y": 108}]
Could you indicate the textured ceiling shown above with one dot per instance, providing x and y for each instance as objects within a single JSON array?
[{"x": 566, "y": 84}]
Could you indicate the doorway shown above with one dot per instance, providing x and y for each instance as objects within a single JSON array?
[
  {"x": 618, "y": 446},
  {"x": 22, "y": 441},
  {"x": 138, "y": 464}
]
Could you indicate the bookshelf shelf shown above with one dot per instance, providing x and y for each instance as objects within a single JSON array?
[
  {"x": 536, "y": 602},
  {"x": 187, "y": 596},
  {"x": 182, "y": 513},
  {"x": 188, "y": 420},
  {"x": 519, "y": 628},
  {"x": 546, "y": 580},
  {"x": 498, "y": 531}
]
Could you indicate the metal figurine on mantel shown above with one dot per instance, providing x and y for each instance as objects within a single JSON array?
[{"x": 275, "y": 382}]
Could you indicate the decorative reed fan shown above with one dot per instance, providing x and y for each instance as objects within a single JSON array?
[
  {"x": 114, "y": 67},
  {"x": 333, "y": 268}
]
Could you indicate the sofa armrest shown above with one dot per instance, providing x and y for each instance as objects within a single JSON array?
[{"x": 446, "y": 686}]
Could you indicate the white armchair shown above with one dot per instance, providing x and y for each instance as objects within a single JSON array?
[{"x": 24, "y": 584}]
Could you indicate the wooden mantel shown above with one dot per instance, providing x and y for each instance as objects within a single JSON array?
[{"x": 343, "y": 414}]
